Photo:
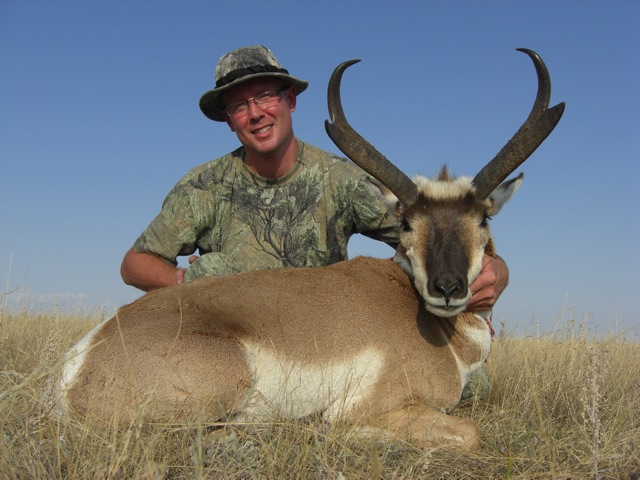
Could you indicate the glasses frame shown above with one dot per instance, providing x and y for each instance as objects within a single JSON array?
[{"x": 255, "y": 101}]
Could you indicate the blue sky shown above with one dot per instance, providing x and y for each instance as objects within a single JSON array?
[{"x": 99, "y": 118}]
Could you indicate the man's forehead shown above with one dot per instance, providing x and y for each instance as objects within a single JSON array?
[{"x": 251, "y": 88}]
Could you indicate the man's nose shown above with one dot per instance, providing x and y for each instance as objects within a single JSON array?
[{"x": 253, "y": 110}]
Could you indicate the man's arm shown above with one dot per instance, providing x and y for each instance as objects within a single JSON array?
[
  {"x": 148, "y": 272},
  {"x": 489, "y": 285}
]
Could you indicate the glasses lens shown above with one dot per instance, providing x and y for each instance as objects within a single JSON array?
[
  {"x": 237, "y": 108},
  {"x": 266, "y": 98}
]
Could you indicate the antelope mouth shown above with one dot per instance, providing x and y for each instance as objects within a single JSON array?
[
  {"x": 445, "y": 310},
  {"x": 445, "y": 306}
]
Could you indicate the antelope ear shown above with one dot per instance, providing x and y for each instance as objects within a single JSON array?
[{"x": 503, "y": 193}]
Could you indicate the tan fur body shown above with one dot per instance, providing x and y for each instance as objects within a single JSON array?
[{"x": 301, "y": 342}]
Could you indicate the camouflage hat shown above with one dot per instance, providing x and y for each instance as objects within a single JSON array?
[{"x": 239, "y": 66}]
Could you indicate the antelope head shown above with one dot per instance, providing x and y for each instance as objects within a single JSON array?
[{"x": 444, "y": 221}]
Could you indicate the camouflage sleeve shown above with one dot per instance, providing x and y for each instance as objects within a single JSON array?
[
  {"x": 211, "y": 264},
  {"x": 372, "y": 216},
  {"x": 183, "y": 218}
]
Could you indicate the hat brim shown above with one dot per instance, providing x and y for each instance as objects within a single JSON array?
[{"x": 210, "y": 104}]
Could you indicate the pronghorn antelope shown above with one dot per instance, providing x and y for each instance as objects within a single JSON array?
[{"x": 386, "y": 345}]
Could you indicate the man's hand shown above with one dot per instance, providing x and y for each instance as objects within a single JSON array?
[
  {"x": 180, "y": 272},
  {"x": 489, "y": 285}
]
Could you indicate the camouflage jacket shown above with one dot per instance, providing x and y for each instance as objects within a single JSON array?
[{"x": 239, "y": 221}]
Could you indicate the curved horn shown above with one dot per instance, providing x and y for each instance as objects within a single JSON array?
[
  {"x": 361, "y": 152},
  {"x": 538, "y": 125}
]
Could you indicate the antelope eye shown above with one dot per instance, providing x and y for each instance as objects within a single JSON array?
[
  {"x": 485, "y": 220},
  {"x": 405, "y": 226}
]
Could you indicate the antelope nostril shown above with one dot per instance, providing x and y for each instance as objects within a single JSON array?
[{"x": 447, "y": 288}]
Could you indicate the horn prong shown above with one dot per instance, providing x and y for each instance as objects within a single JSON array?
[{"x": 536, "y": 128}]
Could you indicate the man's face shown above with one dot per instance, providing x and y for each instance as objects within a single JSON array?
[{"x": 262, "y": 130}]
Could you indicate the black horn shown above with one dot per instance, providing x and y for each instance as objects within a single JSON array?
[
  {"x": 361, "y": 152},
  {"x": 538, "y": 125}
]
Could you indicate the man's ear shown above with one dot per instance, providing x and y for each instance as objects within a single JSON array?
[{"x": 291, "y": 98}]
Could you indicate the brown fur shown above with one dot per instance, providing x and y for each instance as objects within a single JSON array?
[{"x": 179, "y": 348}]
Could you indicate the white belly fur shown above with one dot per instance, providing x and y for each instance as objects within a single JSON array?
[{"x": 295, "y": 389}]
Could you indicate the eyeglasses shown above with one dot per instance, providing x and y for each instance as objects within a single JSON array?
[{"x": 263, "y": 101}]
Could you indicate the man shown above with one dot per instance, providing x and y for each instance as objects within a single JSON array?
[{"x": 275, "y": 201}]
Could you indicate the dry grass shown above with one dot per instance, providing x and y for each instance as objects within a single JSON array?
[{"x": 562, "y": 406}]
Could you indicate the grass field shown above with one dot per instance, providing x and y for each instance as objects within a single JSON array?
[{"x": 562, "y": 406}]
